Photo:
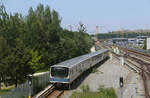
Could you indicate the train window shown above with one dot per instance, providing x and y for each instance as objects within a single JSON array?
[
  {"x": 59, "y": 72},
  {"x": 76, "y": 68},
  {"x": 71, "y": 72}
]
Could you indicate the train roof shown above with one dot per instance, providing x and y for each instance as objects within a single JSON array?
[{"x": 76, "y": 60}]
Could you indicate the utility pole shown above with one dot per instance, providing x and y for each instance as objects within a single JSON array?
[
  {"x": 122, "y": 31},
  {"x": 96, "y": 33}
]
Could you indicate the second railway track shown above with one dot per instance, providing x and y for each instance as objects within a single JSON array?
[{"x": 144, "y": 70}]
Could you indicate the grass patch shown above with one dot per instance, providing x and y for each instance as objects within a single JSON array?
[
  {"x": 86, "y": 95},
  {"x": 85, "y": 88},
  {"x": 94, "y": 70},
  {"x": 5, "y": 90},
  {"x": 101, "y": 93},
  {"x": 107, "y": 92}
]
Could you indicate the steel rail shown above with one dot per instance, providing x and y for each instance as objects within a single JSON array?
[
  {"x": 46, "y": 92},
  {"x": 145, "y": 67},
  {"x": 55, "y": 94},
  {"x": 145, "y": 71}
]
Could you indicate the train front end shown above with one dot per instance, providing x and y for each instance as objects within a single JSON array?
[{"x": 59, "y": 75}]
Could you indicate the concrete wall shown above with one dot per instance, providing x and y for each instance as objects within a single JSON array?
[
  {"x": 148, "y": 43},
  {"x": 39, "y": 81}
]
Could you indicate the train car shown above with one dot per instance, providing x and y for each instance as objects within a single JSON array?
[{"x": 65, "y": 73}]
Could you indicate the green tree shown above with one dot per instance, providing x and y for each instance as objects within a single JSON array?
[
  {"x": 35, "y": 41},
  {"x": 17, "y": 63},
  {"x": 35, "y": 62},
  {"x": 4, "y": 50}
]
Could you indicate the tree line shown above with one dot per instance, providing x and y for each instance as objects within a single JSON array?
[
  {"x": 36, "y": 41},
  {"x": 125, "y": 34}
]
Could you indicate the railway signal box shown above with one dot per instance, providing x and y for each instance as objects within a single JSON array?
[{"x": 121, "y": 82}]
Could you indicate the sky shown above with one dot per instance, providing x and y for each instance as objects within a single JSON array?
[{"x": 109, "y": 15}]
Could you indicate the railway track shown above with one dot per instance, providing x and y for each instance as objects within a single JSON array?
[
  {"x": 144, "y": 67},
  {"x": 143, "y": 71},
  {"x": 50, "y": 92},
  {"x": 143, "y": 60},
  {"x": 138, "y": 55},
  {"x": 56, "y": 94}
]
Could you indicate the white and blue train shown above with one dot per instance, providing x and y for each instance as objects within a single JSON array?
[{"x": 65, "y": 73}]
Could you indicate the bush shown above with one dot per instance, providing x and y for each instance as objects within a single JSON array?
[
  {"x": 107, "y": 92},
  {"x": 85, "y": 88},
  {"x": 102, "y": 93},
  {"x": 94, "y": 70}
]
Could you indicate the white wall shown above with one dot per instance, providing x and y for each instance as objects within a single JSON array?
[{"x": 148, "y": 43}]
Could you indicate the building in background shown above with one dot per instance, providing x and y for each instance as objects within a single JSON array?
[
  {"x": 141, "y": 39},
  {"x": 119, "y": 40}
]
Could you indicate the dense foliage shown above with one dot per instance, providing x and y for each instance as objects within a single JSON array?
[
  {"x": 125, "y": 34},
  {"x": 36, "y": 41}
]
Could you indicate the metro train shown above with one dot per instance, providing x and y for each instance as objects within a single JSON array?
[{"x": 66, "y": 73}]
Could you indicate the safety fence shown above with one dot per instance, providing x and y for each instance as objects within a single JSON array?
[{"x": 39, "y": 81}]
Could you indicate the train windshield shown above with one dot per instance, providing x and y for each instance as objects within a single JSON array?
[{"x": 60, "y": 72}]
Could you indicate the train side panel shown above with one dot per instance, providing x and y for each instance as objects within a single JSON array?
[{"x": 85, "y": 65}]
